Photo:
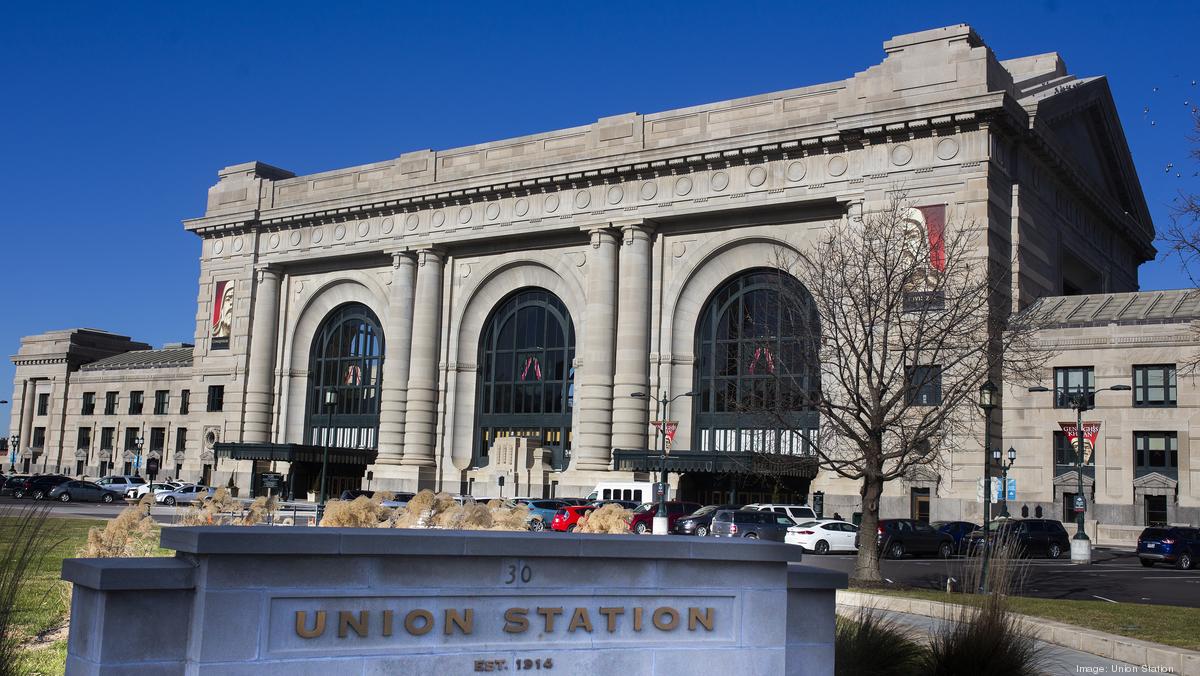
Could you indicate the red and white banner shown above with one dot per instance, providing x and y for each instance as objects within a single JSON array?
[
  {"x": 671, "y": 426},
  {"x": 1091, "y": 430},
  {"x": 935, "y": 230}
]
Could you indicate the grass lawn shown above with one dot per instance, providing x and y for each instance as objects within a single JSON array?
[{"x": 1169, "y": 625}]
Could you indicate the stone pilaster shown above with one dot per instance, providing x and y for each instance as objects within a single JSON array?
[
  {"x": 398, "y": 337},
  {"x": 27, "y": 401},
  {"x": 593, "y": 448},
  {"x": 263, "y": 338},
  {"x": 632, "y": 372},
  {"x": 421, "y": 409}
]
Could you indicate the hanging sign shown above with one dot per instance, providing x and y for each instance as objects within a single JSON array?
[
  {"x": 1091, "y": 430},
  {"x": 671, "y": 426}
]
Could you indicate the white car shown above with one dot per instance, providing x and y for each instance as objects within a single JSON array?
[
  {"x": 185, "y": 495},
  {"x": 823, "y": 536},
  {"x": 139, "y": 490}
]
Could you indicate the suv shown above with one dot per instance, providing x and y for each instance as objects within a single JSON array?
[
  {"x": 797, "y": 512},
  {"x": 11, "y": 483},
  {"x": 643, "y": 516},
  {"x": 1177, "y": 545},
  {"x": 120, "y": 483},
  {"x": 700, "y": 521},
  {"x": 38, "y": 487},
  {"x": 897, "y": 537},
  {"x": 1029, "y": 537},
  {"x": 751, "y": 523}
]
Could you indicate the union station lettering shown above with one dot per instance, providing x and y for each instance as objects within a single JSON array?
[{"x": 514, "y": 620}]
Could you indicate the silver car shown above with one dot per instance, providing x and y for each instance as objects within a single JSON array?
[
  {"x": 185, "y": 495},
  {"x": 83, "y": 491}
]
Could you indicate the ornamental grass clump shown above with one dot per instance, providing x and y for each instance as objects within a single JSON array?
[
  {"x": 361, "y": 512},
  {"x": 131, "y": 533},
  {"x": 423, "y": 510},
  {"x": 262, "y": 510},
  {"x": 217, "y": 511},
  {"x": 869, "y": 643},
  {"x": 27, "y": 535},
  {"x": 612, "y": 519}
]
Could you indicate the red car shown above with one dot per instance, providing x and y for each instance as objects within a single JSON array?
[
  {"x": 643, "y": 516},
  {"x": 567, "y": 518}
]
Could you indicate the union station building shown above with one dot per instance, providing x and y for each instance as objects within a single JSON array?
[{"x": 460, "y": 318}]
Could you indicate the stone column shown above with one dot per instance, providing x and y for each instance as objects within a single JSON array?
[
  {"x": 26, "y": 440},
  {"x": 421, "y": 410},
  {"x": 593, "y": 448},
  {"x": 397, "y": 340},
  {"x": 632, "y": 374},
  {"x": 263, "y": 339}
]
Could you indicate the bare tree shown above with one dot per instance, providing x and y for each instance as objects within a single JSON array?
[
  {"x": 903, "y": 316},
  {"x": 1182, "y": 238}
]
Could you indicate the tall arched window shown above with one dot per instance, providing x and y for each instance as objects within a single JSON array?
[
  {"x": 756, "y": 366},
  {"x": 525, "y": 373},
  {"x": 346, "y": 359}
]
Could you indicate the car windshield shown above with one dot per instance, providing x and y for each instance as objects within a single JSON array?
[{"x": 704, "y": 510}]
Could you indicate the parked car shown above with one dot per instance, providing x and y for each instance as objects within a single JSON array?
[
  {"x": 754, "y": 524},
  {"x": 959, "y": 530},
  {"x": 121, "y": 483},
  {"x": 823, "y": 536},
  {"x": 627, "y": 504},
  {"x": 541, "y": 512},
  {"x": 1031, "y": 537},
  {"x": 797, "y": 512},
  {"x": 699, "y": 522},
  {"x": 399, "y": 499},
  {"x": 576, "y": 501},
  {"x": 643, "y": 516},
  {"x": 897, "y": 537},
  {"x": 139, "y": 490},
  {"x": 636, "y": 492},
  {"x": 185, "y": 495},
  {"x": 567, "y": 518},
  {"x": 10, "y": 484},
  {"x": 83, "y": 491},
  {"x": 38, "y": 487},
  {"x": 1177, "y": 545}
]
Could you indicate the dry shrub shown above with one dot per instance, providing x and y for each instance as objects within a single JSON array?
[
  {"x": 871, "y": 643},
  {"x": 423, "y": 510},
  {"x": 132, "y": 533},
  {"x": 430, "y": 510},
  {"x": 262, "y": 510},
  {"x": 469, "y": 516},
  {"x": 361, "y": 512},
  {"x": 611, "y": 518},
  {"x": 212, "y": 512},
  {"x": 509, "y": 516}
]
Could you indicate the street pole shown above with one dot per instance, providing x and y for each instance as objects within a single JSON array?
[
  {"x": 987, "y": 402},
  {"x": 660, "y": 516},
  {"x": 1081, "y": 545},
  {"x": 330, "y": 402}
]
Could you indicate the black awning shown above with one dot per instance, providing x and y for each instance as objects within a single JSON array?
[
  {"x": 296, "y": 453},
  {"x": 714, "y": 462}
]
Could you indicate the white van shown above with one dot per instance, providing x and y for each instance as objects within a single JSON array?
[
  {"x": 797, "y": 512},
  {"x": 634, "y": 491}
]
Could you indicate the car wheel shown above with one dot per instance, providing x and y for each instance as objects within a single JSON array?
[
  {"x": 640, "y": 528},
  {"x": 108, "y": 498},
  {"x": 169, "y": 501},
  {"x": 822, "y": 547},
  {"x": 896, "y": 550},
  {"x": 38, "y": 495},
  {"x": 537, "y": 525},
  {"x": 751, "y": 536},
  {"x": 945, "y": 550},
  {"x": 1147, "y": 563},
  {"x": 1054, "y": 551},
  {"x": 701, "y": 531},
  {"x": 572, "y": 528},
  {"x": 65, "y": 497},
  {"x": 18, "y": 494},
  {"x": 1184, "y": 562}
]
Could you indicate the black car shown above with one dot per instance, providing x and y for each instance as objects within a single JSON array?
[
  {"x": 699, "y": 522},
  {"x": 959, "y": 530},
  {"x": 897, "y": 537},
  {"x": 38, "y": 487},
  {"x": 1029, "y": 537},
  {"x": 1177, "y": 545},
  {"x": 751, "y": 523},
  {"x": 10, "y": 484}
]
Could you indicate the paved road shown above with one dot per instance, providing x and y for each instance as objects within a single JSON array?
[{"x": 1116, "y": 576}]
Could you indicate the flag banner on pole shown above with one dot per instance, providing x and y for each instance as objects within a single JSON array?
[
  {"x": 672, "y": 426},
  {"x": 1091, "y": 430}
]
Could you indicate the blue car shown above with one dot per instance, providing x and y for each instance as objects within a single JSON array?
[
  {"x": 1180, "y": 546},
  {"x": 957, "y": 530},
  {"x": 541, "y": 512}
]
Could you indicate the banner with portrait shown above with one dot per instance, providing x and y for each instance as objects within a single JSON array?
[
  {"x": 222, "y": 315},
  {"x": 925, "y": 245},
  {"x": 1091, "y": 430}
]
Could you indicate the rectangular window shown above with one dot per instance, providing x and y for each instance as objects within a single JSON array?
[
  {"x": 89, "y": 404},
  {"x": 162, "y": 399},
  {"x": 216, "y": 397},
  {"x": 39, "y": 437},
  {"x": 1072, "y": 381},
  {"x": 110, "y": 403},
  {"x": 106, "y": 437},
  {"x": 43, "y": 404},
  {"x": 924, "y": 385},
  {"x": 135, "y": 402},
  {"x": 1154, "y": 385},
  {"x": 1156, "y": 452},
  {"x": 158, "y": 439},
  {"x": 180, "y": 442},
  {"x": 131, "y": 437},
  {"x": 1156, "y": 510},
  {"x": 184, "y": 402},
  {"x": 84, "y": 440}
]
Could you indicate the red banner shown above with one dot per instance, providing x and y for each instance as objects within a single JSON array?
[
  {"x": 935, "y": 230},
  {"x": 672, "y": 426},
  {"x": 1091, "y": 430}
]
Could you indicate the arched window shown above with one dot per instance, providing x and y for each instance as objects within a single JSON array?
[
  {"x": 346, "y": 359},
  {"x": 525, "y": 373},
  {"x": 756, "y": 366}
]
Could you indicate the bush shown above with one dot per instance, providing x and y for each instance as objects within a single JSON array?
[
  {"x": 361, "y": 512},
  {"x": 423, "y": 510},
  {"x": 983, "y": 640},
  {"x": 262, "y": 510},
  {"x": 871, "y": 645},
  {"x": 131, "y": 533},
  {"x": 611, "y": 518}
]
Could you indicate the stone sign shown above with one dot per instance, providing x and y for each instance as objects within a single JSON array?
[{"x": 268, "y": 600}]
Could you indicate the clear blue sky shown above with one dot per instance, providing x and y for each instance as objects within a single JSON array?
[{"x": 115, "y": 117}]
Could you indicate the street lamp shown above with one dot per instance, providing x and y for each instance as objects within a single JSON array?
[
  {"x": 13, "y": 444},
  {"x": 1012, "y": 457},
  {"x": 1083, "y": 400},
  {"x": 137, "y": 465},
  {"x": 987, "y": 403},
  {"x": 660, "y": 517},
  {"x": 331, "y": 397}
]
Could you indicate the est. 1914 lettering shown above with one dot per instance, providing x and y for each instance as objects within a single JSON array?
[{"x": 519, "y": 664}]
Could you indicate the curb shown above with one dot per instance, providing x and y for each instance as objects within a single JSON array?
[{"x": 1166, "y": 659}]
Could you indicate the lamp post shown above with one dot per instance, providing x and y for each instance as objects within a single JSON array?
[
  {"x": 1012, "y": 457},
  {"x": 137, "y": 464},
  {"x": 14, "y": 443},
  {"x": 1083, "y": 400},
  {"x": 987, "y": 403},
  {"x": 660, "y": 516},
  {"x": 331, "y": 397}
]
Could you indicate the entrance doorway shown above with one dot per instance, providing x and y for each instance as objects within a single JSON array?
[
  {"x": 919, "y": 504},
  {"x": 1156, "y": 510},
  {"x": 1068, "y": 508}
]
